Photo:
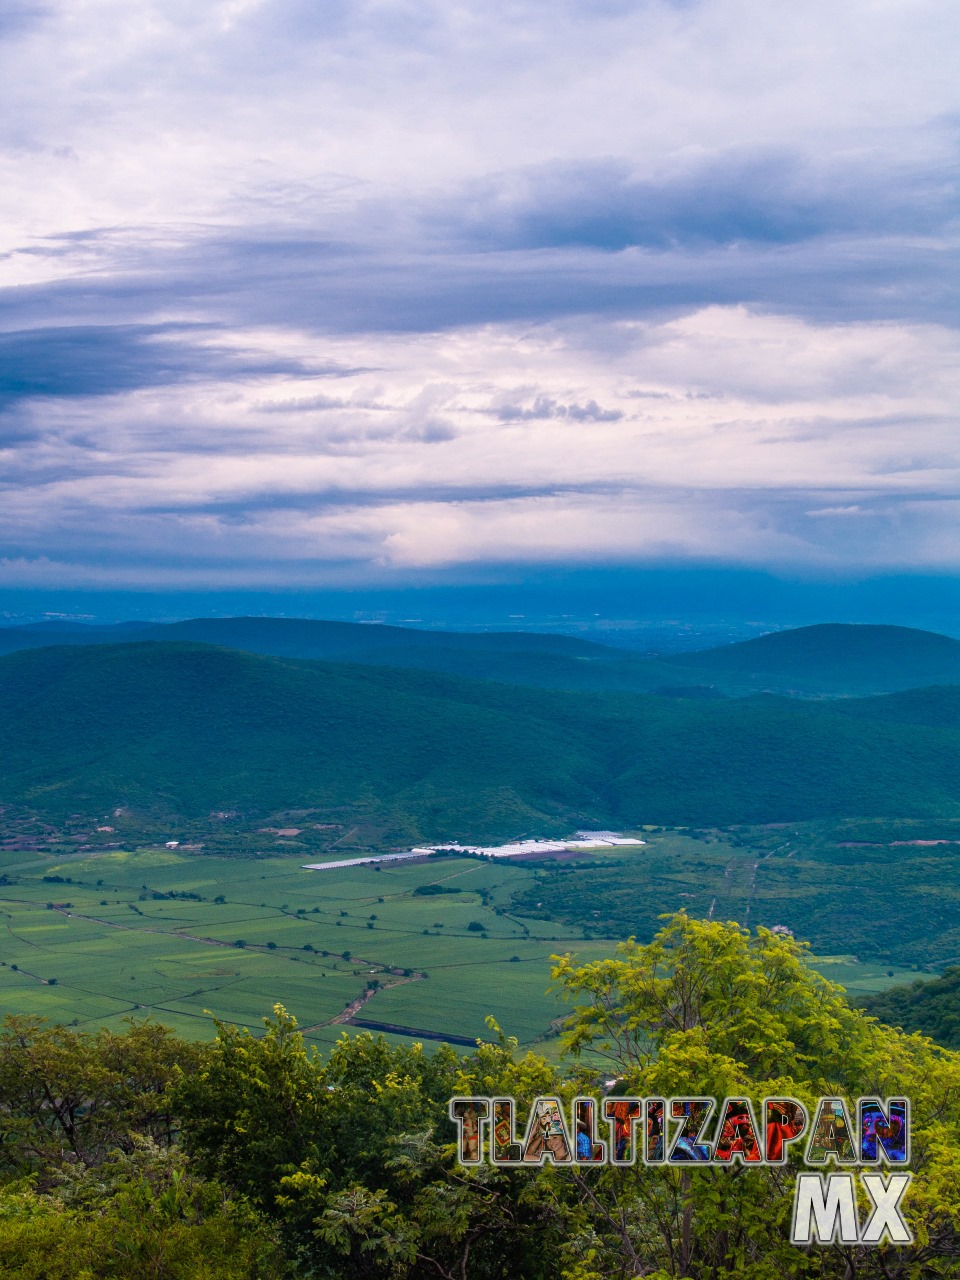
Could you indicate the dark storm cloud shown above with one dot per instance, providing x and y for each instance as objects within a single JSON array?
[
  {"x": 830, "y": 241},
  {"x": 97, "y": 360},
  {"x": 767, "y": 198},
  {"x": 255, "y": 281}
]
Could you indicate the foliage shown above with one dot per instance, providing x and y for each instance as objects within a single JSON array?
[
  {"x": 930, "y": 1006},
  {"x": 707, "y": 1008},
  {"x": 355, "y": 1160},
  {"x": 96, "y": 1186},
  {"x": 139, "y": 1215},
  {"x": 69, "y": 1098}
]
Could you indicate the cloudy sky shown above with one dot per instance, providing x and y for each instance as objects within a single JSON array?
[{"x": 307, "y": 293}]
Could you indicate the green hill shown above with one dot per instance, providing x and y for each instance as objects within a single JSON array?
[
  {"x": 931, "y": 1007},
  {"x": 45, "y": 634},
  {"x": 511, "y": 657},
  {"x": 306, "y": 638},
  {"x": 834, "y": 658},
  {"x": 186, "y": 729}
]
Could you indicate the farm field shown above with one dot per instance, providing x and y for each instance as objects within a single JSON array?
[
  {"x": 91, "y": 940},
  {"x": 111, "y": 945}
]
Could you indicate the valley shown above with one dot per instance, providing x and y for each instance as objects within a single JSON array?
[
  {"x": 433, "y": 944},
  {"x": 162, "y": 800}
]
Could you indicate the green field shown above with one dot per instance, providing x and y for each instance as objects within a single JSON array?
[
  {"x": 93, "y": 939},
  {"x": 117, "y": 950}
]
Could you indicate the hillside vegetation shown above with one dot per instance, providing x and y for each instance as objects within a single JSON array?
[
  {"x": 930, "y": 1006},
  {"x": 188, "y": 729}
]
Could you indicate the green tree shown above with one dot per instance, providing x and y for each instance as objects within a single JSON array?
[
  {"x": 354, "y": 1157},
  {"x": 67, "y": 1097},
  {"x": 707, "y": 1008}
]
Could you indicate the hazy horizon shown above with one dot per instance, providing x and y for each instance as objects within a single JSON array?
[{"x": 666, "y": 608}]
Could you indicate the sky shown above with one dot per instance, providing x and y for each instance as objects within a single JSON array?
[{"x": 333, "y": 296}]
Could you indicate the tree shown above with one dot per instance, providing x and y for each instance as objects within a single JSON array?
[
  {"x": 354, "y": 1157},
  {"x": 136, "y": 1154},
  {"x": 255, "y": 1109},
  {"x": 707, "y": 1008},
  {"x": 67, "y": 1097}
]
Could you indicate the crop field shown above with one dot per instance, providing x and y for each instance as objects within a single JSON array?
[{"x": 92, "y": 939}]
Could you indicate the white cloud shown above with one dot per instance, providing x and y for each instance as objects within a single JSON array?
[
  {"x": 734, "y": 429},
  {"x": 166, "y": 113}
]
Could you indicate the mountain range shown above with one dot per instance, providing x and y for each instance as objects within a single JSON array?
[
  {"x": 183, "y": 727},
  {"x": 824, "y": 660}
]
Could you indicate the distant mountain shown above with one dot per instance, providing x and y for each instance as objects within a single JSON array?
[
  {"x": 343, "y": 641},
  {"x": 825, "y": 660},
  {"x": 43, "y": 634},
  {"x": 183, "y": 728},
  {"x": 833, "y": 657},
  {"x": 510, "y": 657}
]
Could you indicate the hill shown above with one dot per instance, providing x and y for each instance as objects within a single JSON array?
[
  {"x": 931, "y": 1007},
  {"x": 45, "y": 634},
  {"x": 308, "y": 638},
  {"x": 833, "y": 658},
  {"x": 511, "y": 657},
  {"x": 179, "y": 728}
]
